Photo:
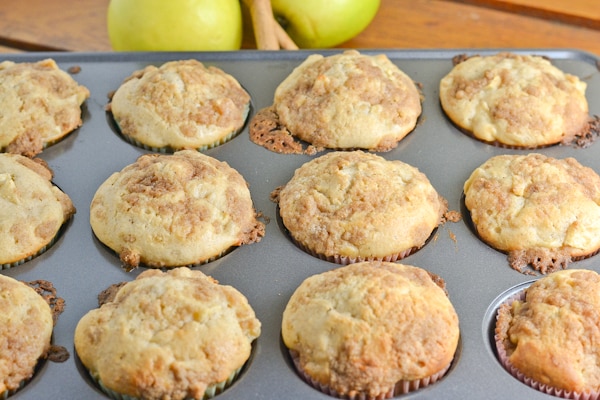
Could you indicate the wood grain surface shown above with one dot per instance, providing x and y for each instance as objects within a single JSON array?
[{"x": 66, "y": 25}]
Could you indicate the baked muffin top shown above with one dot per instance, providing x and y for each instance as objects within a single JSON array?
[
  {"x": 515, "y": 100},
  {"x": 346, "y": 101},
  {"x": 364, "y": 327},
  {"x": 180, "y": 105},
  {"x": 26, "y": 325},
  {"x": 359, "y": 205},
  {"x": 184, "y": 332},
  {"x": 174, "y": 210},
  {"x": 551, "y": 335},
  {"x": 39, "y": 104},
  {"x": 540, "y": 210},
  {"x": 32, "y": 209}
]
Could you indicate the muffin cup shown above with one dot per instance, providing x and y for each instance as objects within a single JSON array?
[
  {"x": 508, "y": 366},
  {"x": 346, "y": 260},
  {"x": 210, "y": 392},
  {"x": 536, "y": 265},
  {"x": 130, "y": 267},
  {"x": 170, "y": 149},
  {"x": 501, "y": 145},
  {"x": 43, "y": 249},
  {"x": 51, "y": 142},
  {"x": 401, "y": 387},
  {"x": 37, "y": 253},
  {"x": 7, "y": 393},
  {"x": 24, "y": 260},
  {"x": 581, "y": 140},
  {"x": 497, "y": 143},
  {"x": 46, "y": 290}
]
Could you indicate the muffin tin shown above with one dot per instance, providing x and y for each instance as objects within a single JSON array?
[{"x": 478, "y": 277}]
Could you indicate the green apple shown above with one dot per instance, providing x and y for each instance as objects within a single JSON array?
[
  {"x": 324, "y": 23},
  {"x": 176, "y": 25}
]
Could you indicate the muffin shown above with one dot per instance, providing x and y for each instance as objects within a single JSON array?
[
  {"x": 547, "y": 337},
  {"x": 26, "y": 325},
  {"x": 39, "y": 105},
  {"x": 174, "y": 210},
  {"x": 350, "y": 206},
  {"x": 32, "y": 209},
  {"x": 179, "y": 105},
  {"x": 544, "y": 212},
  {"x": 187, "y": 337},
  {"x": 371, "y": 330},
  {"x": 343, "y": 101},
  {"x": 516, "y": 101}
]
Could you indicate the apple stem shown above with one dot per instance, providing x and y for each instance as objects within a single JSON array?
[{"x": 267, "y": 31}]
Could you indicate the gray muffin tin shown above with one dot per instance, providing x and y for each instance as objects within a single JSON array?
[{"x": 477, "y": 277}]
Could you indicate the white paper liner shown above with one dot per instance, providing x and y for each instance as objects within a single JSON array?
[
  {"x": 401, "y": 387},
  {"x": 504, "y": 360}
]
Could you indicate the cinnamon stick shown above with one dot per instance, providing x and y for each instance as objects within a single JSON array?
[
  {"x": 268, "y": 33},
  {"x": 263, "y": 23},
  {"x": 285, "y": 41}
]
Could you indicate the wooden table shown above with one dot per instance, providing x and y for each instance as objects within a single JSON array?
[{"x": 67, "y": 25}]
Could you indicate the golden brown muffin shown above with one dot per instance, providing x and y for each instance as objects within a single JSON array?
[
  {"x": 550, "y": 334},
  {"x": 180, "y": 105},
  {"x": 26, "y": 325},
  {"x": 356, "y": 206},
  {"x": 32, "y": 209},
  {"x": 40, "y": 104},
  {"x": 542, "y": 211},
  {"x": 174, "y": 210},
  {"x": 185, "y": 334},
  {"x": 373, "y": 329},
  {"x": 515, "y": 100},
  {"x": 344, "y": 101}
]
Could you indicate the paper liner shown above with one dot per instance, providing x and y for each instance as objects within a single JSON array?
[
  {"x": 191, "y": 265},
  {"x": 57, "y": 140},
  {"x": 210, "y": 392},
  {"x": 48, "y": 143},
  {"x": 31, "y": 257},
  {"x": 170, "y": 149},
  {"x": 501, "y": 145},
  {"x": 7, "y": 393},
  {"x": 504, "y": 360},
  {"x": 37, "y": 253},
  {"x": 345, "y": 260},
  {"x": 196, "y": 264},
  {"x": 47, "y": 291},
  {"x": 401, "y": 387},
  {"x": 497, "y": 143},
  {"x": 579, "y": 140},
  {"x": 529, "y": 269}
]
